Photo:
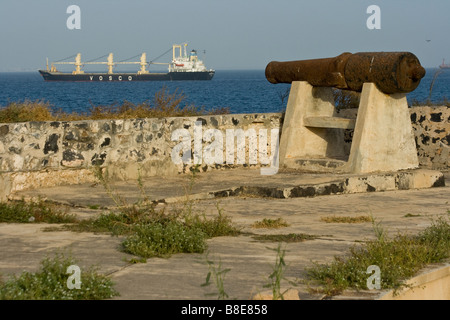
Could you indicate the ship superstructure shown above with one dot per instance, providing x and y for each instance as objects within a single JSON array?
[
  {"x": 444, "y": 66},
  {"x": 182, "y": 67}
]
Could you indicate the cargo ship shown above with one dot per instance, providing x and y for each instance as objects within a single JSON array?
[
  {"x": 444, "y": 66},
  {"x": 182, "y": 67}
]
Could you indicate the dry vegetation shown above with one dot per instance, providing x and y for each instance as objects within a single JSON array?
[
  {"x": 346, "y": 219},
  {"x": 164, "y": 104}
]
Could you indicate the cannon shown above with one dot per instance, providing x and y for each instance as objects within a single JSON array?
[{"x": 391, "y": 72}]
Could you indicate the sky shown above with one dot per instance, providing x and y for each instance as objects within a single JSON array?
[{"x": 228, "y": 34}]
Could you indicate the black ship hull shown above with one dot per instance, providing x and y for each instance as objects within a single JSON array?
[{"x": 127, "y": 77}]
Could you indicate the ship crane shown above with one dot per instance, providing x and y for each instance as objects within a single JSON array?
[
  {"x": 110, "y": 63},
  {"x": 78, "y": 64}
]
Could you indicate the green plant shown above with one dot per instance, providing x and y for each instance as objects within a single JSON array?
[
  {"x": 437, "y": 236},
  {"x": 103, "y": 177},
  {"x": 158, "y": 239},
  {"x": 220, "y": 225},
  {"x": 378, "y": 229},
  {"x": 218, "y": 275},
  {"x": 50, "y": 283},
  {"x": 277, "y": 275}
]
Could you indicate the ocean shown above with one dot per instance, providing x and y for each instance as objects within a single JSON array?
[{"x": 243, "y": 91}]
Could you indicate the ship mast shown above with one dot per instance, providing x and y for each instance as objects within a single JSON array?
[
  {"x": 78, "y": 65},
  {"x": 143, "y": 64}
]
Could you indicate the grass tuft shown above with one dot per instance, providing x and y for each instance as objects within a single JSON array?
[
  {"x": 271, "y": 223},
  {"x": 338, "y": 219},
  {"x": 34, "y": 211},
  {"x": 291, "y": 237}
]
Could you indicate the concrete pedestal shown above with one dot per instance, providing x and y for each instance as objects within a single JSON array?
[
  {"x": 383, "y": 139},
  {"x": 312, "y": 137}
]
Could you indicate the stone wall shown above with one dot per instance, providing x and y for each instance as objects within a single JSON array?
[
  {"x": 36, "y": 154},
  {"x": 431, "y": 127}
]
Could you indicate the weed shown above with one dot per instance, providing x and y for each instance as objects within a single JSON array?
[
  {"x": 277, "y": 274},
  {"x": 116, "y": 223},
  {"x": 163, "y": 239},
  {"x": 102, "y": 175},
  {"x": 50, "y": 283},
  {"x": 379, "y": 231},
  {"x": 436, "y": 236},
  {"x": 271, "y": 223},
  {"x": 218, "y": 275},
  {"x": 220, "y": 225}
]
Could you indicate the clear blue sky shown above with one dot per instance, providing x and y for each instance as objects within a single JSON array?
[{"x": 236, "y": 34}]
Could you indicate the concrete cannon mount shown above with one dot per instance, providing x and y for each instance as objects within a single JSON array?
[{"x": 403, "y": 201}]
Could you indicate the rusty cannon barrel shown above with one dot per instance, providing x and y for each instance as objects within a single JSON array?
[{"x": 392, "y": 72}]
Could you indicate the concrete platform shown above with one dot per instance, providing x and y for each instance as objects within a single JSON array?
[
  {"x": 238, "y": 182},
  {"x": 394, "y": 199}
]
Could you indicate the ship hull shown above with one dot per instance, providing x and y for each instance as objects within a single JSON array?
[{"x": 127, "y": 77}]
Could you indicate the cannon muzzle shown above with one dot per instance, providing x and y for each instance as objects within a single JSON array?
[{"x": 392, "y": 72}]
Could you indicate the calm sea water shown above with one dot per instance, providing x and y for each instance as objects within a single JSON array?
[{"x": 241, "y": 91}]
